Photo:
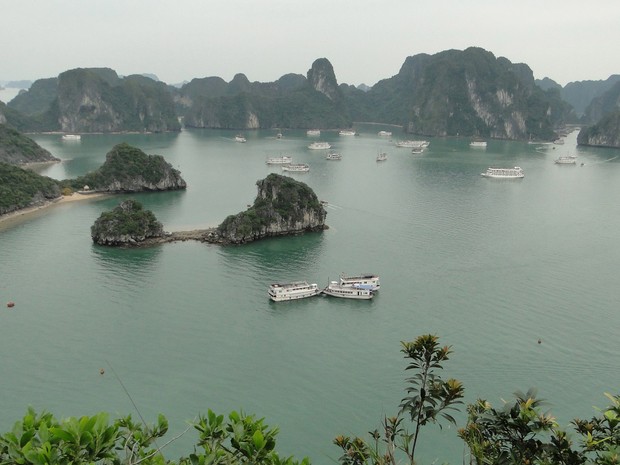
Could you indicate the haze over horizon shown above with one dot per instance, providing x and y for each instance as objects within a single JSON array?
[{"x": 365, "y": 41}]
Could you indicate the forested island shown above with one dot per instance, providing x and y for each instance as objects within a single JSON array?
[
  {"x": 282, "y": 207},
  {"x": 467, "y": 93}
]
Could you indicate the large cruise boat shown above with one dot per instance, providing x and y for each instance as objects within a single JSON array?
[
  {"x": 320, "y": 146},
  {"x": 333, "y": 156},
  {"x": 347, "y": 132},
  {"x": 283, "y": 160},
  {"x": 385, "y": 133},
  {"x": 369, "y": 281},
  {"x": 335, "y": 289},
  {"x": 504, "y": 173},
  {"x": 313, "y": 132},
  {"x": 566, "y": 160},
  {"x": 71, "y": 137},
  {"x": 478, "y": 143},
  {"x": 412, "y": 143},
  {"x": 296, "y": 167},
  {"x": 292, "y": 291}
]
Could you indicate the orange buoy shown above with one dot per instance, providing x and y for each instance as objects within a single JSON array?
[{"x": 10, "y": 304}]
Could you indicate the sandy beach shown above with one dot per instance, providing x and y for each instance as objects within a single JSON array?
[{"x": 9, "y": 219}]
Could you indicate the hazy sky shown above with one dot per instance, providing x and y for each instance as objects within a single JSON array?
[{"x": 365, "y": 40}]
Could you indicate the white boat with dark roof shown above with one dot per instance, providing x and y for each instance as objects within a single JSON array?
[
  {"x": 335, "y": 289},
  {"x": 504, "y": 173},
  {"x": 283, "y": 160},
  {"x": 279, "y": 292},
  {"x": 296, "y": 167},
  {"x": 367, "y": 280},
  {"x": 320, "y": 146}
]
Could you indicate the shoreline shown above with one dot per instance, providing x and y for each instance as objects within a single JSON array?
[{"x": 28, "y": 212}]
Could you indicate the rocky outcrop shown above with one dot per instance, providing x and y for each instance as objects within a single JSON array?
[
  {"x": 129, "y": 169},
  {"x": 283, "y": 206},
  {"x": 127, "y": 224},
  {"x": 18, "y": 149},
  {"x": 322, "y": 79},
  {"x": 606, "y": 133}
]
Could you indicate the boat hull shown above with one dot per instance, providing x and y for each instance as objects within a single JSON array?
[{"x": 292, "y": 291}]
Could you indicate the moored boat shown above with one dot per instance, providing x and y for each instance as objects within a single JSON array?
[
  {"x": 478, "y": 143},
  {"x": 71, "y": 137},
  {"x": 385, "y": 133},
  {"x": 335, "y": 289},
  {"x": 566, "y": 160},
  {"x": 368, "y": 280},
  {"x": 504, "y": 173},
  {"x": 279, "y": 292},
  {"x": 333, "y": 156},
  {"x": 296, "y": 167},
  {"x": 283, "y": 160},
  {"x": 382, "y": 156},
  {"x": 347, "y": 132},
  {"x": 412, "y": 143},
  {"x": 313, "y": 132},
  {"x": 320, "y": 146},
  {"x": 240, "y": 138}
]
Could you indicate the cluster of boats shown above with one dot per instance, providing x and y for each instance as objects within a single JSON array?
[{"x": 361, "y": 286}]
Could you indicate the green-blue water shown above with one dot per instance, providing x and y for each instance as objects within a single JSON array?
[{"x": 489, "y": 266}]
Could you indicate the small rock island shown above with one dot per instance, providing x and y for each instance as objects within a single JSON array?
[{"x": 282, "y": 207}]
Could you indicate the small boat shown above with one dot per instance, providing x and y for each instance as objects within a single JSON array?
[
  {"x": 412, "y": 143},
  {"x": 370, "y": 281},
  {"x": 283, "y": 160},
  {"x": 478, "y": 143},
  {"x": 347, "y": 132},
  {"x": 382, "y": 156},
  {"x": 71, "y": 137},
  {"x": 385, "y": 133},
  {"x": 279, "y": 135},
  {"x": 240, "y": 138},
  {"x": 566, "y": 160},
  {"x": 504, "y": 173},
  {"x": 292, "y": 291},
  {"x": 559, "y": 142},
  {"x": 324, "y": 203},
  {"x": 335, "y": 289},
  {"x": 417, "y": 150},
  {"x": 319, "y": 146},
  {"x": 313, "y": 132},
  {"x": 296, "y": 167},
  {"x": 333, "y": 156}
]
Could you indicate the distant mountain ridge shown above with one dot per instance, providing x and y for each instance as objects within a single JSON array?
[{"x": 466, "y": 93}]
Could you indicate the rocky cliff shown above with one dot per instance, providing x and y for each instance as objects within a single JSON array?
[
  {"x": 18, "y": 149},
  {"x": 127, "y": 224},
  {"x": 283, "y": 206},
  {"x": 129, "y": 169},
  {"x": 606, "y": 133}
]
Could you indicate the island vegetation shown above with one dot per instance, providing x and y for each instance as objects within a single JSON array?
[
  {"x": 19, "y": 149},
  {"x": 20, "y": 188},
  {"x": 518, "y": 433},
  {"x": 126, "y": 223}
]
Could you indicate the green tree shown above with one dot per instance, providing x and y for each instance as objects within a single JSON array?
[{"x": 428, "y": 398}]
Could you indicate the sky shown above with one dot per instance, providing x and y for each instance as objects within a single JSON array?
[{"x": 364, "y": 40}]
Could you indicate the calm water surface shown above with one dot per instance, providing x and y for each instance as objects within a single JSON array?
[{"x": 489, "y": 266}]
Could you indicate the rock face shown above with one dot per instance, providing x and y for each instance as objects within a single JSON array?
[
  {"x": 127, "y": 224},
  {"x": 283, "y": 206},
  {"x": 17, "y": 149},
  {"x": 129, "y": 169},
  {"x": 606, "y": 133},
  {"x": 322, "y": 79}
]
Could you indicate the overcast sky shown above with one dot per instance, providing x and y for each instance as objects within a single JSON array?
[{"x": 365, "y": 40}]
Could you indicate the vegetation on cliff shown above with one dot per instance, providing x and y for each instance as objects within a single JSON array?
[
  {"x": 18, "y": 149},
  {"x": 20, "y": 188},
  {"x": 283, "y": 206},
  {"x": 127, "y": 223},
  {"x": 606, "y": 133},
  {"x": 129, "y": 169}
]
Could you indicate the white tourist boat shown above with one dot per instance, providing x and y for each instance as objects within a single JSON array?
[
  {"x": 412, "y": 143},
  {"x": 71, "y": 137},
  {"x": 292, "y": 291},
  {"x": 335, "y": 289},
  {"x": 313, "y": 132},
  {"x": 368, "y": 281},
  {"x": 283, "y": 160},
  {"x": 296, "y": 167},
  {"x": 240, "y": 138},
  {"x": 385, "y": 133},
  {"x": 566, "y": 160},
  {"x": 478, "y": 144},
  {"x": 417, "y": 150},
  {"x": 333, "y": 156},
  {"x": 347, "y": 132},
  {"x": 504, "y": 173},
  {"x": 382, "y": 156},
  {"x": 320, "y": 146}
]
